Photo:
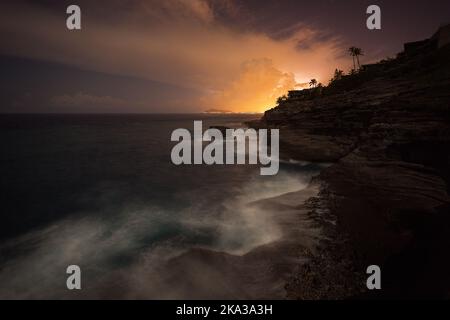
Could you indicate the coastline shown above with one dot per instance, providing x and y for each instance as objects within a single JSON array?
[
  {"x": 261, "y": 273},
  {"x": 387, "y": 134}
]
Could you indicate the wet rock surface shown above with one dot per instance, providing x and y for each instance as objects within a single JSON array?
[{"x": 388, "y": 136}]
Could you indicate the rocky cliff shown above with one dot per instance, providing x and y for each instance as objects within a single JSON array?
[{"x": 386, "y": 130}]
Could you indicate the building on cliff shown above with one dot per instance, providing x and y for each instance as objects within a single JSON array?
[
  {"x": 440, "y": 39},
  {"x": 296, "y": 94},
  {"x": 442, "y": 36}
]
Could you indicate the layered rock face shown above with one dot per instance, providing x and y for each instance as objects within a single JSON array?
[{"x": 387, "y": 132}]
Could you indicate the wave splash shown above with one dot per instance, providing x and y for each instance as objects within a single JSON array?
[{"x": 132, "y": 252}]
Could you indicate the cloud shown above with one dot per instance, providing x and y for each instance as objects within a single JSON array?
[
  {"x": 179, "y": 42},
  {"x": 259, "y": 84},
  {"x": 175, "y": 10},
  {"x": 85, "y": 100},
  {"x": 199, "y": 8}
]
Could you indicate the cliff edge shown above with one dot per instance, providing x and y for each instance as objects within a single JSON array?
[{"x": 386, "y": 129}]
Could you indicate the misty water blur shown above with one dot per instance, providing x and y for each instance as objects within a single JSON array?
[{"x": 102, "y": 193}]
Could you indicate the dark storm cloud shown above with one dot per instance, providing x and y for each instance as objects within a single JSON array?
[
  {"x": 403, "y": 20},
  {"x": 51, "y": 88},
  {"x": 200, "y": 49}
]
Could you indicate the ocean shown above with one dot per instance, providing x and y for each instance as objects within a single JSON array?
[{"x": 101, "y": 192}]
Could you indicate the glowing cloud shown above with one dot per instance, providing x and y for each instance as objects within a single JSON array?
[
  {"x": 179, "y": 42},
  {"x": 257, "y": 87}
]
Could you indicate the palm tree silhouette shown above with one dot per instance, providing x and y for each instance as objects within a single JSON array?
[
  {"x": 355, "y": 53},
  {"x": 338, "y": 74},
  {"x": 313, "y": 83}
]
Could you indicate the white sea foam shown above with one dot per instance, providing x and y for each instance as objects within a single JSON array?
[{"x": 125, "y": 244}]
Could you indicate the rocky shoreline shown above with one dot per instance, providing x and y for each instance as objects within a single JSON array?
[{"x": 388, "y": 136}]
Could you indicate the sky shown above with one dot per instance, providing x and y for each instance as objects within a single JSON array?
[{"x": 179, "y": 56}]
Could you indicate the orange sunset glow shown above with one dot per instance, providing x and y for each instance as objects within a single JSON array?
[
  {"x": 182, "y": 44},
  {"x": 227, "y": 157},
  {"x": 183, "y": 56}
]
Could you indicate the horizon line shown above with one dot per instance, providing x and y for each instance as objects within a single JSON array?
[{"x": 128, "y": 113}]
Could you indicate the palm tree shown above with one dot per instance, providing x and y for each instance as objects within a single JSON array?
[
  {"x": 351, "y": 51},
  {"x": 358, "y": 52},
  {"x": 355, "y": 53},
  {"x": 338, "y": 74},
  {"x": 313, "y": 83}
]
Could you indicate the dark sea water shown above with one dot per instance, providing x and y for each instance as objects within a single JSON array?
[{"x": 101, "y": 192}]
